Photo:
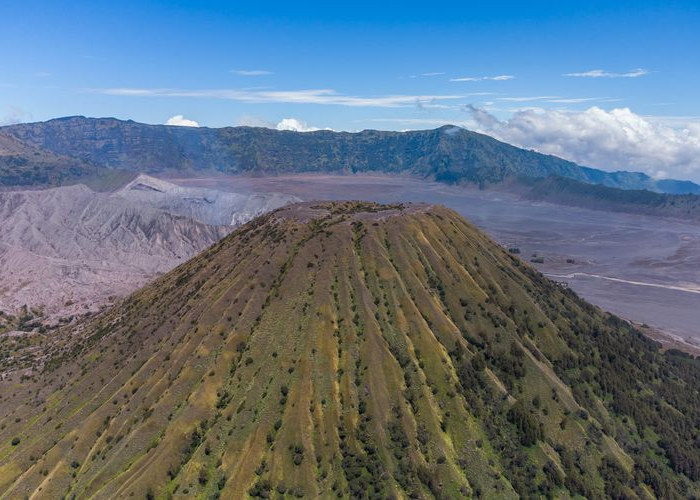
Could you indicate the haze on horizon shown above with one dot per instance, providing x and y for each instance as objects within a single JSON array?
[{"x": 607, "y": 86}]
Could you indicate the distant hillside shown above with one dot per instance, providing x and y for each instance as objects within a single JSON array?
[
  {"x": 447, "y": 154},
  {"x": 570, "y": 192},
  {"x": 26, "y": 164},
  {"x": 350, "y": 350}
]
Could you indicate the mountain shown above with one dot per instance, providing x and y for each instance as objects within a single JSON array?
[
  {"x": 67, "y": 250},
  {"x": 448, "y": 154},
  {"x": 348, "y": 349}
]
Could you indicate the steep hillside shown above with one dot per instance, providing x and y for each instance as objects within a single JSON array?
[
  {"x": 350, "y": 350},
  {"x": 24, "y": 163},
  {"x": 69, "y": 249},
  {"x": 448, "y": 154}
]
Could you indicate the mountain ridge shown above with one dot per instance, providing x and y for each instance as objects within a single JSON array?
[{"x": 448, "y": 154}]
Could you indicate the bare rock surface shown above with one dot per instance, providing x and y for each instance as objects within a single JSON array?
[{"x": 68, "y": 250}]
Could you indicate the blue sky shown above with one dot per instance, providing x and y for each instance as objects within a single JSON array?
[{"x": 630, "y": 99}]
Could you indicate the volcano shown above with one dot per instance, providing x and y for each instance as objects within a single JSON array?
[{"x": 349, "y": 349}]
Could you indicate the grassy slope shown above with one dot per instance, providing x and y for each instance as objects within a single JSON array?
[{"x": 351, "y": 350}]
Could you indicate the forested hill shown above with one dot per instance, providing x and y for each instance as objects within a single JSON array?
[
  {"x": 350, "y": 350},
  {"x": 68, "y": 148}
]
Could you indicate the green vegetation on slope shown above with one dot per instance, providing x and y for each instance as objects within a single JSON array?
[
  {"x": 352, "y": 350},
  {"x": 24, "y": 164}
]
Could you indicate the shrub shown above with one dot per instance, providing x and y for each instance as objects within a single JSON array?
[{"x": 528, "y": 427}]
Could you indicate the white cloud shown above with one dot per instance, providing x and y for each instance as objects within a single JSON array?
[
  {"x": 311, "y": 96},
  {"x": 499, "y": 78},
  {"x": 433, "y": 73},
  {"x": 601, "y": 73},
  {"x": 578, "y": 100},
  {"x": 251, "y": 72},
  {"x": 612, "y": 140},
  {"x": 295, "y": 125},
  {"x": 528, "y": 99},
  {"x": 181, "y": 121},
  {"x": 555, "y": 99}
]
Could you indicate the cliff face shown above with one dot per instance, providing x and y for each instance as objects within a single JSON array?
[{"x": 354, "y": 350}]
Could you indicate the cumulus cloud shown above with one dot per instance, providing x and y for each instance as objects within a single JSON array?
[
  {"x": 612, "y": 140},
  {"x": 181, "y": 121},
  {"x": 295, "y": 125},
  {"x": 498, "y": 78},
  {"x": 601, "y": 73}
]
